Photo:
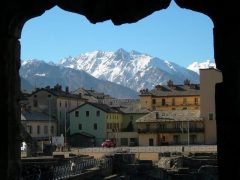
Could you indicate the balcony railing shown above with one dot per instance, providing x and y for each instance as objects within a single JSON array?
[{"x": 171, "y": 130}]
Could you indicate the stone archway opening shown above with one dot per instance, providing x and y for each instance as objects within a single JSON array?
[
  {"x": 226, "y": 35},
  {"x": 178, "y": 35}
]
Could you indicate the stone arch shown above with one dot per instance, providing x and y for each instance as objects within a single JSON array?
[{"x": 225, "y": 16}]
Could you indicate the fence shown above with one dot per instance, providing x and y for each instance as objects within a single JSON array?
[
  {"x": 73, "y": 167},
  {"x": 138, "y": 149}
]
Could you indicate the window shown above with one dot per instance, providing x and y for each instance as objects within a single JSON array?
[
  {"x": 184, "y": 108},
  {"x": 161, "y": 126},
  {"x": 35, "y": 96},
  {"x": 151, "y": 142},
  {"x": 163, "y": 102},
  {"x": 45, "y": 129},
  {"x": 80, "y": 126},
  {"x": 60, "y": 104},
  {"x": 176, "y": 125},
  {"x": 87, "y": 113},
  {"x": 98, "y": 113},
  {"x": 196, "y": 101},
  {"x": 49, "y": 95},
  {"x": 29, "y": 129},
  {"x": 176, "y": 139},
  {"x": 52, "y": 129},
  {"x": 193, "y": 125},
  {"x": 76, "y": 113},
  {"x": 184, "y": 101},
  {"x": 95, "y": 126},
  {"x": 153, "y": 101},
  {"x": 35, "y": 103},
  {"x": 38, "y": 129},
  {"x": 163, "y": 138},
  {"x": 193, "y": 139},
  {"x": 173, "y": 101},
  {"x": 211, "y": 116},
  {"x": 124, "y": 141}
]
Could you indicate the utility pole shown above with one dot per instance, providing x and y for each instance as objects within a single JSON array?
[
  {"x": 188, "y": 132},
  {"x": 49, "y": 122},
  {"x": 65, "y": 128}
]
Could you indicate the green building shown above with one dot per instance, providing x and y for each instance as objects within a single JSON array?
[{"x": 90, "y": 122}]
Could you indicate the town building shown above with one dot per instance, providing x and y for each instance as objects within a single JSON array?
[
  {"x": 207, "y": 107},
  {"x": 171, "y": 97},
  {"x": 171, "y": 127},
  {"x": 56, "y": 103},
  {"x": 99, "y": 97},
  {"x": 93, "y": 121},
  {"x": 40, "y": 126},
  {"x": 128, "y": 135}
]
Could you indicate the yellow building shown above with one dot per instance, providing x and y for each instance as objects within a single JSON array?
[
  {"x": 207, "y": 108},
  {"x": 171, "y": 127},
  {"x": 171, "y": 97}
]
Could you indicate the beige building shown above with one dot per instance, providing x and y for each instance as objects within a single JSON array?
[
  {"x": 171, "y": 127},
  {"x": 207, "y": 107},
  {"x": 171, "y": 97},
  {"x": 56, "y": 103},
  {"x": 39, "y": 125}
]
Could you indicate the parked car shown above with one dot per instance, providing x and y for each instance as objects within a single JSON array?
[{"x": 108, "y": 143}]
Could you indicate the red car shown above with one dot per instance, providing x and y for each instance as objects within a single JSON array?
[{"x": 108, "y": 143}]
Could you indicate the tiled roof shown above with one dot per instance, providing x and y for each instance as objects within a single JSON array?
[
  {"x": 34, "y": 116},
  {"x": 104, "y": 107},
  {"x": 171, "y": 115},
  {"x": 175, "y": 90},
  {"x": 133, "y": 109},
  {"x": 100, "y": 106},
  {"x": 58, "y": 93},
  {"x": 91, "y": 92}
]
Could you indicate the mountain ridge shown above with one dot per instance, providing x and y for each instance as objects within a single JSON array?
[
  {"x": 129, "y": 69},
  {"x": 42, "y": 74}
]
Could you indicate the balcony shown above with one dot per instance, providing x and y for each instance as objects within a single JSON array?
[{"x": 171, "y": 130}]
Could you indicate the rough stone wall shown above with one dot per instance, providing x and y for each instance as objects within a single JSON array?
[{"x": 225, "y": 16}]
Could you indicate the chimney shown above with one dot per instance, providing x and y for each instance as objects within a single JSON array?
[
  {"x": 158, "y": 87},
  {"x": 67, "y": 89},
  {"x": 186, "y": 82},
  {"x": 47, "y": 87},
  {"x": 171, "y": 85}
]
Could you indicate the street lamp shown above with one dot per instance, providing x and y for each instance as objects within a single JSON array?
[
  {"x": 188, "y": 132},
  {"x": 49, "y": 117}
]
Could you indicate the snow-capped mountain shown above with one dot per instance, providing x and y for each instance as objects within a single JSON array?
[
  {"x": 42, "y": 74},
  {"x": 131, "y": 69},
  {"x": 195, "y": 66}
]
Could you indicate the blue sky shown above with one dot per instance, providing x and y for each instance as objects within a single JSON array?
[{"x": 178, "y": 35}]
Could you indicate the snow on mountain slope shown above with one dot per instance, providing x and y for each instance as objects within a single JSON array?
[
  {"x": 42, "y": 74},
  {"x": 195, "y": 66},
  {"x": 131, "y": 69}
]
